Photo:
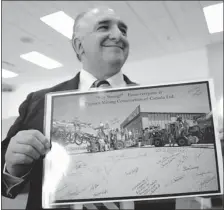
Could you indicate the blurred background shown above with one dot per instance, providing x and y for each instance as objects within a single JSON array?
[{"x": 170, "y": 41}]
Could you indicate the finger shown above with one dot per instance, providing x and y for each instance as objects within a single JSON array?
[
  {"x": 42, "y": 138},
  {"x": 21, "y": 159},
  {"x": 27, "y": 150},
  {"x": 34, "y": 142}
]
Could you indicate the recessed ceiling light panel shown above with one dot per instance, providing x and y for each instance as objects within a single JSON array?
[
  {"x": 60, "y": 22},
  {"x": 41, "y": 60},
  {"x": 8, "y": 74},
  {"x": 214, "y": 17}
]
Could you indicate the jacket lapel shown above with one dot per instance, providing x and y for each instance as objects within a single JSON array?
[{"x": 128, "y": 81}]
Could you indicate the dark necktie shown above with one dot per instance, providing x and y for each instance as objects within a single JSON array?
[{"x": 100, "y": 83}]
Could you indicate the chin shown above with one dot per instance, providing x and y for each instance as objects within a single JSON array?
[{"x": 115, "y": 60}]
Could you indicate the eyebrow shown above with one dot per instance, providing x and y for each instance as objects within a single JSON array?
[{"x": 121, "y": 23}]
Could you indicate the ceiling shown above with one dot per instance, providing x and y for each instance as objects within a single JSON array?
[{"x": 156, "y": 28}]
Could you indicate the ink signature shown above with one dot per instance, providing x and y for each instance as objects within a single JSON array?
[
  {"x": 203, "y": 173},
  {"x": 133, "y": 171},
  {"x": 206, "y": 181},
  {"x": 195, "y": 91},
  {"x": 100, "y": 193},
  {"x": 182, "y": 161},
  {"x": 146, "y": 188},
  {"x": 94, "y": 186},
  {"x": 190, "y": 168},
  {"x": 79, "y": 165},
  {"x": 176, "y": 179},
  {"x": 202, "y": 150},
  {"x": 167, "y": 160}
]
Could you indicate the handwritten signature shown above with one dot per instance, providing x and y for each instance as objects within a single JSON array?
[
  {"x": 167, "y": 160},
  {"x": 190, "y": 168},
  {"x": 100, "y": 193},
  {"x": 202, "y": 150},
  {"x": 94, "y": 186},
  {"x": 146, "y": 188},
  {"x": 195, "y": 91},
  {"x": 76, "y": 192},
  {"x": 203, "y": 173},
  {"x": 182, "y": 161},
  {"x": 62, "y": 188},
  {"x": 172, "y": 149},
  {"x": 80, "y": 165},
  {"x": 206, "y": 181},
  {"x": 176, "y": 179},
  {"x": 132, "y": 171}
]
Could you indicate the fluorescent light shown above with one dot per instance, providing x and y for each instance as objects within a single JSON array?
[
  {"x": 8, "y": 74},
  {"x": 41, "y": 60},
  {"x": 60, "y": 22},
  {"x": 214, "y": 17}
]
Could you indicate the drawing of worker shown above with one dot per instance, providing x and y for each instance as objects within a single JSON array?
[
  {"x": 186, "y": 126},
  {"x": 126, "y": 134},
  {"x": 107, "y": 136},
  {"x": 110, "y": 134},
  {"x": 88, "y": 146},
  {"x": 130, "y": 135},
  {"x": 140, "y": 139},
  {"x": 122, "y": 134},
  {"x": 101, "y": 136},
  {"x": 147, "y": 139},
  {"x": 172, "y": 135},
  {"x": 180, "y": 124},
  {"x": 107, "y": 144},
  {"x": 118, "y": 133},
  {"x": 171, "y": 140},
  {"x": 113, "y": 139}
]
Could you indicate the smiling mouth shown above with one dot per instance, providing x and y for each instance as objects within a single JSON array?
[{"x": 113, "y": 46}]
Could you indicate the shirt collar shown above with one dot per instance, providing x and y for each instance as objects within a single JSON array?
[{"x": 87, "y": 79}]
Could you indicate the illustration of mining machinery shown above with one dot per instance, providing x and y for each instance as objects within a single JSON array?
[{"x": 182, "y": 134}]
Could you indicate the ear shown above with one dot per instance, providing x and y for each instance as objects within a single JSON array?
[{"x": 77, "y": 45}]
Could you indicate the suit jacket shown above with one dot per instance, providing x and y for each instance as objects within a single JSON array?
[{"x": 31, "y": 116}]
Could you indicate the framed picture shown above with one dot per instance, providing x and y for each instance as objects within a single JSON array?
[{"x": 132, "y": 143}]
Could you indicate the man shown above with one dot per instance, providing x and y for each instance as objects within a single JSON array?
[
  {"x": 147, "y": 136},
  {"x": 101, "y": 44},
  {"x": 101, "y": 135}
]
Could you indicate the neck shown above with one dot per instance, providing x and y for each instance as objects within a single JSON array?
[{"x": 102, "y": 72}]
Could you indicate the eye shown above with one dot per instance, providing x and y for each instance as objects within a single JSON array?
[
  {"x": 103, "y": 28},
  {"x": 123, "y": 31}
]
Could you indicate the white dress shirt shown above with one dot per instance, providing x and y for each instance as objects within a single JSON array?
[{"x": 87, "y": 79}]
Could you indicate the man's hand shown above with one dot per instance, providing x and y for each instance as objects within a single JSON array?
[{"x": 24, "y": 148}]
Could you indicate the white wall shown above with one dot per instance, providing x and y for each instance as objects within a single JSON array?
[
  {"x": 177, "y": 67},
  {"x": 183, "y": 66},
  {"x": 12, "y": 100},
  {"x": 6, "y": 103},
  {"x": 215, "y": 62}
]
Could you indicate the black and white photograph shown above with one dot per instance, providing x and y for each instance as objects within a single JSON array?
[
  {"x": 112, "y": 105},
  {"x": 130, "y": 138}
]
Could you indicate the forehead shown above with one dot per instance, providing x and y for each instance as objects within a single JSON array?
[{"x": 96, "y": 16}]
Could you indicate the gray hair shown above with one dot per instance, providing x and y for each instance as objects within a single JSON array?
[{"x": 75, "y": 29}]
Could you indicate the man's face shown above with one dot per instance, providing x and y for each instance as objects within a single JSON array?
[{"x": 104, "y": 37}]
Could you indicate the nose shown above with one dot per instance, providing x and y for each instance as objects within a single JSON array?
[{"x": 115, "y": 34}]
